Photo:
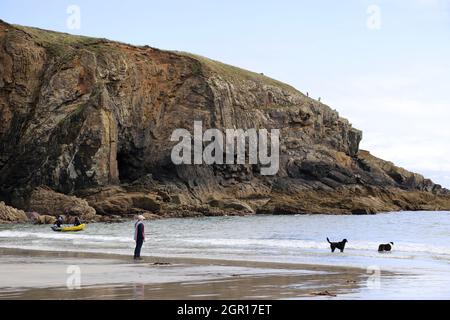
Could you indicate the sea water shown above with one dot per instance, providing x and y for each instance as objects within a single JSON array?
[{"x": 418, "y": 266}]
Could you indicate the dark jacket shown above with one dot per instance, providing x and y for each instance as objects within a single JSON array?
[
  {"x": 139, "y": 234},
  {"x": 59, "y": 221}
]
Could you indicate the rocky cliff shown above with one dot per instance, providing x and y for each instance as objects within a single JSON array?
[{"x": 92, "y": 118}]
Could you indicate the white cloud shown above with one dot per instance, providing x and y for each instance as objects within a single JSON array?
[{"x": 404, "y": 117}]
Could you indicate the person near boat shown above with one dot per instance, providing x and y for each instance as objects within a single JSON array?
[
  {"x": 76, "y": 222},
  {"x": 59, "y": 221}
]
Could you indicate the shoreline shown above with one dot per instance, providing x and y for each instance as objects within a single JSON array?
[
  {"x": 156, "y": 217},
  {"x": 39, "y": 274}
]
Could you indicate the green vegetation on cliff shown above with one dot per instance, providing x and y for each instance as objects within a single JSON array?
[
  {"x": 233, "y": 73},
  {"x": 57, "y": 43}
]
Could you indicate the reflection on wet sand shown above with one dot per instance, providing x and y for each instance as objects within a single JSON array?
[
  {"x": 41, "y": 275},
  {"x": 260, "y": 287}
]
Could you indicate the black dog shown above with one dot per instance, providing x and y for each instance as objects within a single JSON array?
[
  {"x": 339, "y": 245},
  {"x": 385, "y": 247}
]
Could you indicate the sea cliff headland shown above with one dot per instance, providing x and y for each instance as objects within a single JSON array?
[{"x": 85, "y": 127}]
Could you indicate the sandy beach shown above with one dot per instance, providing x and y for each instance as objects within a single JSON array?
[
  {"x": 259, "y": 257},
  {"x": 32, "y": 274}
]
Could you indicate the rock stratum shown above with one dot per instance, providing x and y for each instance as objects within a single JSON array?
[{"x": 90, "y": 120}]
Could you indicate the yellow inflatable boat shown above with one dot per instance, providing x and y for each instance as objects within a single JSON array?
[{"x": 69, "y": 229}]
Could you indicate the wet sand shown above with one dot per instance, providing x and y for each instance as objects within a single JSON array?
[{"x": 30, "y": 274}]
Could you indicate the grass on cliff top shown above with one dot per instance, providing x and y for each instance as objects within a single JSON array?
[
  {"x": 56, "y": 42},
  {"x": 235, "y": 73}
]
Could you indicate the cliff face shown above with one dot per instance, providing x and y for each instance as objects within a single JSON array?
[{"x": 93, "y": 118}]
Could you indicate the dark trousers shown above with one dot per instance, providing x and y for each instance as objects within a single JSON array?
[{"x": 137, "y": 250}]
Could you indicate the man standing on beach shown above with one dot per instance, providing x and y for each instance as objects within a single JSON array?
[{"x": 139, "y": 236}]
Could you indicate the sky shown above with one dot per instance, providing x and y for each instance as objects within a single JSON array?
[{"x": 383, "y": 64}]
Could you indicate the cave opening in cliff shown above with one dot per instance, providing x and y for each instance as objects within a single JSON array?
[{"x": 129, "y": 165}]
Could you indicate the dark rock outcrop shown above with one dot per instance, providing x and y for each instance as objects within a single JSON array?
[
  {"x": 93, "y": 118},
  {"x": 117, "y": 201},
  {"x": 46, "y": 201}
]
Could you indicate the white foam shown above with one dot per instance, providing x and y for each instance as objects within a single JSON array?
[
  {"x": 309, "y": 244},
  {"x": 281, "y": 244},
  {"x": 62, "y": 236}
]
